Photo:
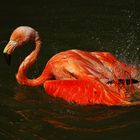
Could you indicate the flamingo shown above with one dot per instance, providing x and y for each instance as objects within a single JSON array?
[{"x": 74, "y": 75}]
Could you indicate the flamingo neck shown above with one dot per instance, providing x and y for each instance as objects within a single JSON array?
[{"x": 28, "y": 62}]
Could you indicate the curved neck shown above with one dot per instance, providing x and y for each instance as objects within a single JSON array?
[{"x": 28, "y": 62}]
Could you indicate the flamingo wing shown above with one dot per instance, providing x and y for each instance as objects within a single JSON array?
[
  {"x": 84, "y": 92},
  {"x": 105, "y": 57},
  {"x": 118, "y": 69}
]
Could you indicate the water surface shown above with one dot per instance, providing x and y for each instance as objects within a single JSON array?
[{"x": 28, "y": 113}]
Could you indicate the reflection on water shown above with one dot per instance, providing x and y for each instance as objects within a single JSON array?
[{"x": 28, "y": 113}]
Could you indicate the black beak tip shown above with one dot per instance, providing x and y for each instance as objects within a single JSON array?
[{"x": 7, "y": 58}]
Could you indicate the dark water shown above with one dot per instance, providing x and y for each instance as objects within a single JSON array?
[{"x": 92, "y": 25}]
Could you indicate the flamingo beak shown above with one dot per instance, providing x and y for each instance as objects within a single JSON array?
[
  {"x": 7, "y": 58},
  {"x": 8, "y": 50}
]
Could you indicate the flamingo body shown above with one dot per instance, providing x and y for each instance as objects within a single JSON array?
[
  {"x": 81, "y": 77},
  {"x": 74, "y": 75}
]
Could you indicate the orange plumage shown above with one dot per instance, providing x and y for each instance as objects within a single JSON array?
[{"x": 74, "y": 75}]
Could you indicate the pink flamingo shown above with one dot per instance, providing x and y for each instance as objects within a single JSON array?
[{"x": 74, "y": 75}]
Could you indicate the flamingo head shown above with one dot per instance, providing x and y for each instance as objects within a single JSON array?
[{"x": 19, "y": 36}]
